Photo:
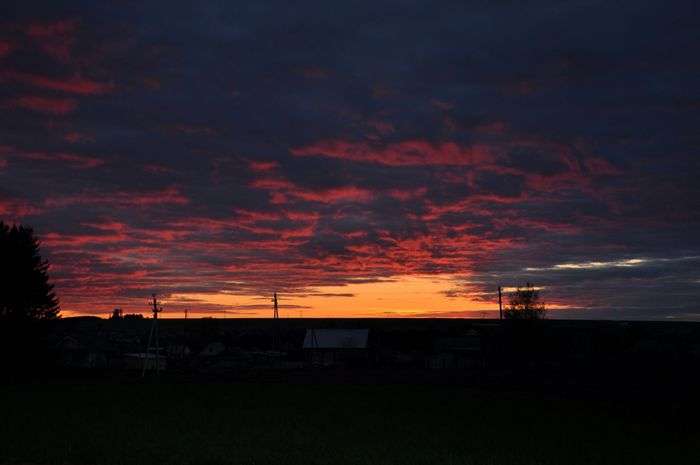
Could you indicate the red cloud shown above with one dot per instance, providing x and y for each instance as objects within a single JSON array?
[
  {"x": 340, "y": 194},
  {"x": 494, "y": 127},
  {"x": 284, "y": 188},
  {"x": 17, "y": 209},
  {"x": 289, "y": 234},
  {"x": 442, "y": 105},
  {"x": 47, "y": 105},
  {"x": 190, "y": 129},
  {"x": 81, "y": 161},
  {"x": 272, "y": 184},
  {"x": 406, "y": 153},
  {"x": 313, "y": 72},
  {"x": 75, "y": 84},
  {"x": 404, "y": 195},
  {"x": 77, "y": 137},
  {"x": 382, "y": 127},
  {"x": 152, "y": 83},
  {"x": 107, "y": 226},
  {"x": 203, "y": 224},
  {"x": 57, "y": 240},
  {"x": 52, "y": 29},
  {"x": 156, "y": 168},
  {"x": 55, "y": 38},
  {"x": 600, "y": 167},
  {"x": 263, "y": 166},
  {"x": 302, "y": 216},
  {"x": 521, "y": 87},
  {"x": 121, "y": 199},
  {"x": 251, "y": 216},
  {"x": 5, "y": 48}
]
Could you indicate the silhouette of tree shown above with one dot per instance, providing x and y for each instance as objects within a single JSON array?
[
  {"x": 133, "y": 316},
  {"x": 117, "y": 314},
  {"x": 25, "y": 291},
  {"x": 525, "y": 304}
]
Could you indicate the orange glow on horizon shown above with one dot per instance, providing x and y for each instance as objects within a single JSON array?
[{"x": 402, "y": 296}]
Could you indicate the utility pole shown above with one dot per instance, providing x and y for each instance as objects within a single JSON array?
[
  {"x": 500, "y": 304},
  {"x": 156, "y": 309},
  {"x": 275, "y": 317},
  {"x": 276, "y": 313}
]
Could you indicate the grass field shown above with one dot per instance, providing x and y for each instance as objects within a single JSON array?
[{"x": 100, "y": 423}]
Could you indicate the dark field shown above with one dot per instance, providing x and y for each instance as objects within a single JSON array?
[{"x": 111, "y": 423}]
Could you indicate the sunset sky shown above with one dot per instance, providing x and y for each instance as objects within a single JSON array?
[{"x": 359, "y": 158}]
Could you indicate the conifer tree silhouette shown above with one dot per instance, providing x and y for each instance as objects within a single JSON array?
[
  {"x": 525, "y": 304},
  {"x": 25, "y": 291}
]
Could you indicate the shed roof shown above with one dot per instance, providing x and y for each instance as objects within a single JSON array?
[{"x": 336, "y": 339}]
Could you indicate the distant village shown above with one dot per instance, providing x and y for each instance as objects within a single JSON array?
[{"x": 582, "y": 353}]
